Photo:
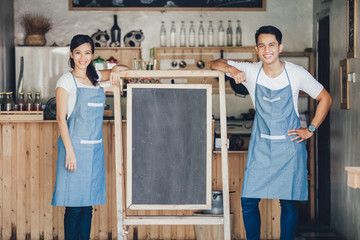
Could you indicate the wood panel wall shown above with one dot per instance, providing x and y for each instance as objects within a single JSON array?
[{"x": 28, "y": 153}]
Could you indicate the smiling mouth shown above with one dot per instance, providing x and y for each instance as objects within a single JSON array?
[{"x": 267, "y": 55}]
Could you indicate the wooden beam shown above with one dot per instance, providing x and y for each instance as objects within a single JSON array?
[{"x": 174, "y": 220}]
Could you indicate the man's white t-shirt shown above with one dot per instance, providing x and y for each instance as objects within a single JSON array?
[
  {"x": 66, "y": 82},
  {"x": 300, "y": 80}
]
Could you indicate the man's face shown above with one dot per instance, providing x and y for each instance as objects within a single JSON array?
[{"x": 268, "y": 48}]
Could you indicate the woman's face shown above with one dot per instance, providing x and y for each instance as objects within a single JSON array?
[{"x": 82, "y": 56}]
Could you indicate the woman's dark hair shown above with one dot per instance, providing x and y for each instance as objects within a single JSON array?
[
  {"x": 90, "y": 71},
  {"x": 268, "y": 30}
]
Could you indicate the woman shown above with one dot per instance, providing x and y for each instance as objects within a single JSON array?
[{"x": 80, "y": 176}]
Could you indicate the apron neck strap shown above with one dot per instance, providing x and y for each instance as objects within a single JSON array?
[{"x": 72, "y": 73}]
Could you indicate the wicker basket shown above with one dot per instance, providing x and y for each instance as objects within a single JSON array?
[{"x": 35, "y": 40}]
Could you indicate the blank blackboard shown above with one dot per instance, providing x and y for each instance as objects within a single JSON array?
[
  {"x": 169, "y": 146},
  {"x": 166, "y": 4}
]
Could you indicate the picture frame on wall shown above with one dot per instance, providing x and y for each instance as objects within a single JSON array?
[
  {"x": 344, "y": 84},
  {"x": 168, "y": 5},
  {"x": 351, "y": 28}
]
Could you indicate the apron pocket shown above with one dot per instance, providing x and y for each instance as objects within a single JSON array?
[
  {"x": 277, "y": 138},
  {"x": 90, "y": 141},
  {"x": 90, "y": 104},
  {"x": 271, "y": 100}
]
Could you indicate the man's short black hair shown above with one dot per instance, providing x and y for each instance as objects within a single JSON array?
[{"x": 268, "y": 30}]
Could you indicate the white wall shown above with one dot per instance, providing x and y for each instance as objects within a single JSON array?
[
  {"x": 294, "y": 18},
  {"x": 344, "y": 124}
]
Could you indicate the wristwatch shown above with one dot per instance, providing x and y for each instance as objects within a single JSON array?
[{"x": 312, "y": 128}]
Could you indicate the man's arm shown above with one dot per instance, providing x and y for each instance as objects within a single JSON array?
[
  {"x": 322, "y": 109},
  {"x": 222, "y": 66}
]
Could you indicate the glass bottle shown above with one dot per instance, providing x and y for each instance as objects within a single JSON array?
[
  {"x": 211, "y": 35},
  {"x": 8, "y": 103},
  {"x": 37, "y": 106},
  {"x": 2, "y": 100},
  {"x": 173, "y": 35},
  {"x": 115, "y": 34},
  {"x": 192, "y": 35},
  {"x": 221, "y": 34},
  {"x": 29, "y": 102},
  {"x": 162, "y": 35},
  {"x": 201, "y": 35},
  {"x": 238, "y": 34},
  {"x": 229, "y": 35},
  {"x": 21, "y": 101},
  {"x": 182, "y": 35},
  {"x": 13, "y": 107}
]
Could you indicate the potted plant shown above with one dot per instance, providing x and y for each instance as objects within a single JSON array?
[{"x": 36, "y": 27}]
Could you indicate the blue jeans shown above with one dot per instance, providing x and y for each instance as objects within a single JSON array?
[
  {"x": 252, "y": 220},
  {"x": 77, "y": 223}
]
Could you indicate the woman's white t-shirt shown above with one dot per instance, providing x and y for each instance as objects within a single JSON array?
[
  {"x": 300, "y": 80},
  {"x": 66, "y": 82}
]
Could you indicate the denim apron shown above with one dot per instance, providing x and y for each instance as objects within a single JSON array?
[
  {"x": 86, "y": 187},
  {"x": 276, "y": 166}
]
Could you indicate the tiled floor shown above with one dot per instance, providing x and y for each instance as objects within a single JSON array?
[{"x": 316, "y": 231}]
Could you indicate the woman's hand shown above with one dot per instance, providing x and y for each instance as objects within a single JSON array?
[
  {"x": 237, "y": 75},
  {"x": 300, "y": 134},
  {"x": 115, "y": 74},
  {"x": 70, "y": 161}
]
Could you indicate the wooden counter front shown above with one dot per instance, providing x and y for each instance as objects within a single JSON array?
[{"x": 28, "y": 153}]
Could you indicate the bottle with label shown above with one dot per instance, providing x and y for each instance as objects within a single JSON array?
[
  {"x": 99, "y": 63},
  {"x": 115, "y": 34},
  {"x": 229, "y": 35},
  {"x": 21, "y": 102},
  {"x": 211, "y": 35},
  {"x": 221, "y": 35},
  {"x": 29, "y": 102},
  {"x": 2, "y": 100},
  {"x": 238, "y": 34},
  {"x": 192, "y": 35},
  {"x": 162, "y": 35},
  {"x": 8, "y": 103},
  {"x": 173, "y": 35},
  {"x": 201, "y": 35},
  {"x": 182, "y": 35},
  {"x": 111, "y": 62},
  {"x": 37, "y": 106}
]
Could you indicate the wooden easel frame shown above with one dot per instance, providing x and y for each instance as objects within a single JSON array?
[{"x": 122, "y": 220}]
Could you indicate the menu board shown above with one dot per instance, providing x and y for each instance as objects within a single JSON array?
[{"x": 167, "y": 5}]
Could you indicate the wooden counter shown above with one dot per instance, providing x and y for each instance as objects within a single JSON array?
[{"x": 28, "y": 153}]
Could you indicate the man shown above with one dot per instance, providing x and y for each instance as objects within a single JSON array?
[{"x": 276, "y": 161}]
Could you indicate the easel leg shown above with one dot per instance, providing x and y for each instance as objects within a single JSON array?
[{"x": 224, "y": 158}]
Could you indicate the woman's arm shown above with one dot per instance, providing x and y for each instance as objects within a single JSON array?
[
  {"x": 322, "y": 109},
  {"x": 61, "y": 109},
  {"x": 222, "y": 66},
  {"x": 113, "y": 74}
]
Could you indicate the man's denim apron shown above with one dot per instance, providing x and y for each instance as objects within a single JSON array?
[
  {"x": 86, "y": 187},
  {"x": 276, "y": 166}
]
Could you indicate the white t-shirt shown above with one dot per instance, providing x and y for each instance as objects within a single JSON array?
[
  {"x": 300, "y": 79},
  {"x": 66, "y": 81}
]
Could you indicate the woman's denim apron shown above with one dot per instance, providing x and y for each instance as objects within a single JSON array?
[{"x": 86, "y": 186}]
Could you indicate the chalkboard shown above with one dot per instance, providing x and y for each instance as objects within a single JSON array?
[
  {"x": 168, "y": 146},
  {"x": 167, "y": 5}
]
